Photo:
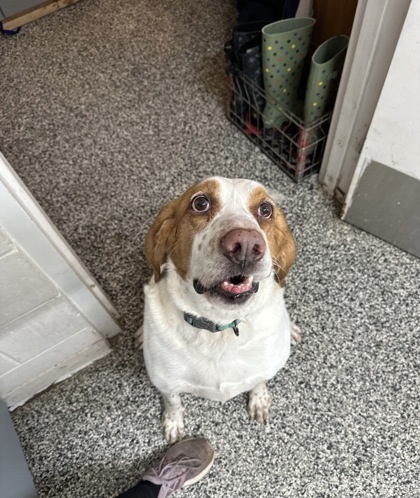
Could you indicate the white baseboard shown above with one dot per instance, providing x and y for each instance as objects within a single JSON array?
[{"x": 57, "y": 373}]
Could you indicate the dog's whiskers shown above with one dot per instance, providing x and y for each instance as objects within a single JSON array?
[{"x": 277, "y": 265}]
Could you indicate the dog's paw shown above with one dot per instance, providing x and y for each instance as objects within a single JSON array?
[
  {"x": 296, "y": 335},
  {"x": 173, "y": 426},
  {"x": 259, "y": 403},
  {"x": 138, "y": 338}
]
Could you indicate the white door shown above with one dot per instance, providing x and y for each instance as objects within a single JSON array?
[{"x": 54, "y": 318}]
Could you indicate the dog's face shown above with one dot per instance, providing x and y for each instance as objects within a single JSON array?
[{"x": 223, "y": 238}]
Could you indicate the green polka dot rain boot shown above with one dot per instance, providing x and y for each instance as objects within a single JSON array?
[
  {"x": 285, "y": 46},
  {"x": 326, "y": 66}
]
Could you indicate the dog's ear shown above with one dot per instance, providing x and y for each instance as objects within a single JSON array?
[
  {"x": 161, "y": 237},
  {"x": 284, "y": 248}
]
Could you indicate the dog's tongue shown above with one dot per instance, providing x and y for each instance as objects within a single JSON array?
[{"x": 244, "y": 286}]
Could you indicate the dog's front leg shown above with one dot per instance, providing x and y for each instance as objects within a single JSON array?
[
  {"x": 173, "y": 418},
  {"x": 259, "y": 403}
]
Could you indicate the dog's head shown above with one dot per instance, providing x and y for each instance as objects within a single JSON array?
[{"x": 223, "y": 237}]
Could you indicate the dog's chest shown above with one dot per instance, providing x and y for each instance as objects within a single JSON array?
[
  {"x": 235, "y": 370},
  {"x": 182, "y": 358},
  {"x": 218, "y": 367}
]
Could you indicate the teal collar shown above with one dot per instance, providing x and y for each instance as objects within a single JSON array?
[{"x": 203, "y": 323}]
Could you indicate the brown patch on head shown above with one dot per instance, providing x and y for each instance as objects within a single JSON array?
[
  {"x": 172, "y": 233},
  {"x": 280, "y": 239}
]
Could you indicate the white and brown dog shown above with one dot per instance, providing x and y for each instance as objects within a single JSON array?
[{"x": 215, "y": 321}]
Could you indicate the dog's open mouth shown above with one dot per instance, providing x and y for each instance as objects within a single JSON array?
[{"x": 235, "y": 289}]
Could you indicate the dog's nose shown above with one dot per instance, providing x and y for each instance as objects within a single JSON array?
[{"x": 243, "y": 246}]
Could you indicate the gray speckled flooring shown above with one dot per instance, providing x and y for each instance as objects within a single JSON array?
[{"x": 109, "y": 110}]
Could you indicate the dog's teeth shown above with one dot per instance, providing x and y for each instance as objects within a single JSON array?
[
  {"x": 227, "y": 286},
  {"x": 240, "y": 288}
]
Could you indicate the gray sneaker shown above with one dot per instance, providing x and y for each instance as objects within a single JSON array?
[{"x": 185, "y": 463}]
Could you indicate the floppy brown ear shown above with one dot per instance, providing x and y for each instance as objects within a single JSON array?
[
  {"x": 284, "y": 247},
  {"x": 161, "y": 237}
]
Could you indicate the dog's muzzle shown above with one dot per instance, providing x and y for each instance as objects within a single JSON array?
[{"x": 243, "y": 249}]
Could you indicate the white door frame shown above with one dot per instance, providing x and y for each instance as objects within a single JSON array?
[{"x": 376, "y": 29}]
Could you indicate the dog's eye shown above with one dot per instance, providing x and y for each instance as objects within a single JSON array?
[
  {"x": 265, "y": 210},
  {"x": 200, "y": 204}
]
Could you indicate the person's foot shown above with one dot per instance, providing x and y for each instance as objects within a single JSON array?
[{"x": 185, "y": 463}]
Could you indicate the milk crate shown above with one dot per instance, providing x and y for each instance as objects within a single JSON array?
[{"x": 295, "y": 147}]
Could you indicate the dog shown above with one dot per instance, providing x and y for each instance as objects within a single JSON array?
[{"x": 215, "y": 322}]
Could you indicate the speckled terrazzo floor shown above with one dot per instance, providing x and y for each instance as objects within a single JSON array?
[{"x": 109, "y": 110}]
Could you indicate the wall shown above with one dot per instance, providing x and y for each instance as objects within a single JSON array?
[
  {"x": 375, "y": 35},
  {"x": 385, "y": 190},
  {"x": 394, "y": 134}
]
